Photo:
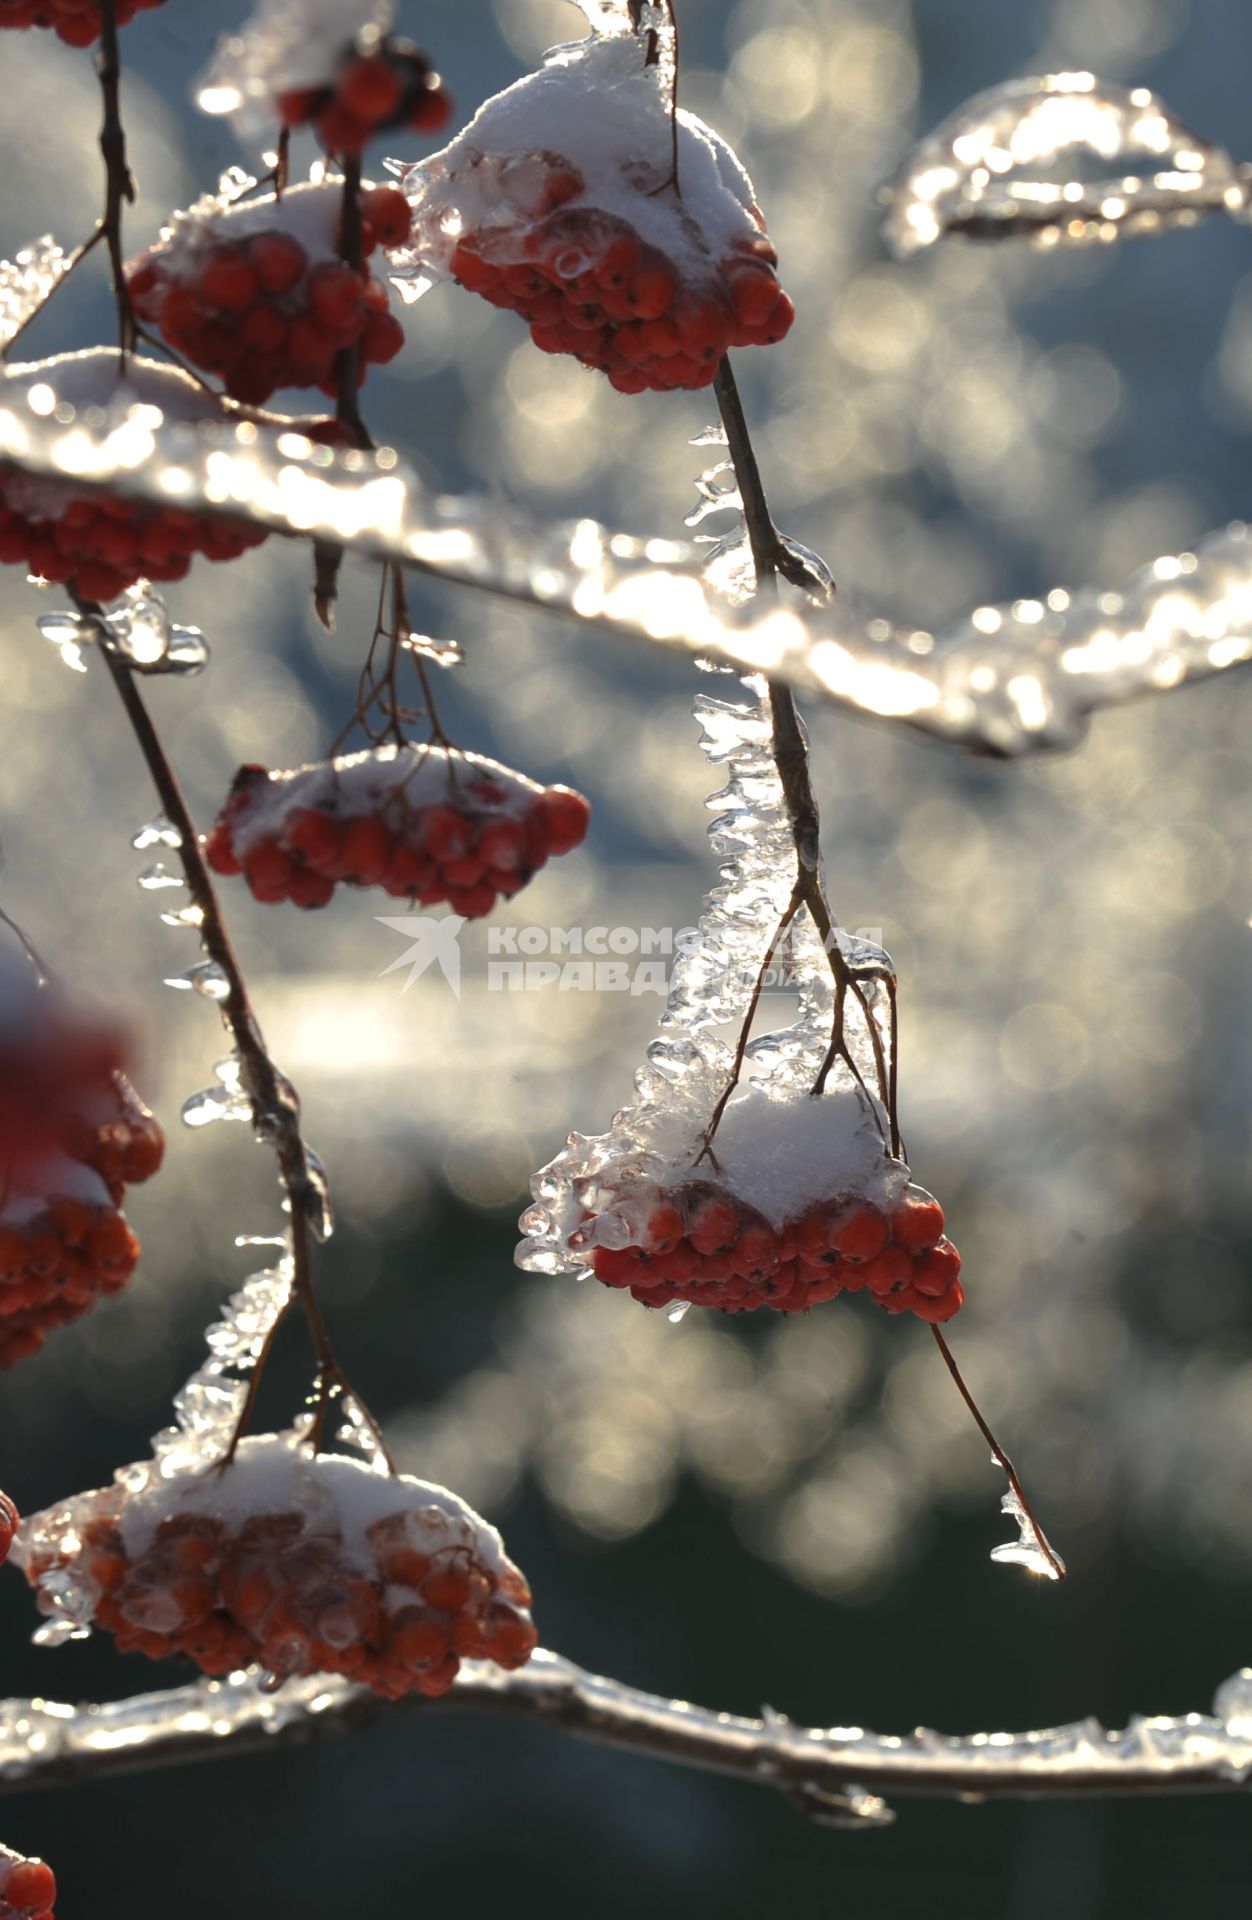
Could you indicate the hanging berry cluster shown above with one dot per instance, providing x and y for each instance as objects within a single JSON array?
[
  {"x": 77, "y": 22},
  {"x": 302, "y": 1564},
  {"x": 391, "y": 85},
  {"x": 28, "y": 1888},
  {"x": 701, "y": 1245},
  {"x": 638, "y": 247},
  {"x": 256, "y": 292},
  {"x": 73, "y": 1136},
  {"x": 422, "y": 822},
  {"x": 101, "y": 543}
]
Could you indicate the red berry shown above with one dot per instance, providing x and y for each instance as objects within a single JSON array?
[
  {"x": 278, "y": 260},
  {"x": 388, "y": 215},
  {"x": 917, "y": 1222},
  {"x": 371, "y": 89},
  {"x": 336, "y": 297},
  {"x": 936, "y": 1271},
  {"x": 227, "y": 280},
  {"x": 565, "y": 815}
]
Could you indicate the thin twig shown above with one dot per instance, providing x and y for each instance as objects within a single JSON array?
[
  {"x": 1001, "y": 1458},
  {"x": 274, "y": 1103},
  {"x": 328, "y": 554},
  {"x": 45, "y": 1744},
  {"x": 119, "y": 187}
]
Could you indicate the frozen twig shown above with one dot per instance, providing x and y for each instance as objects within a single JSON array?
[
  {"x": 273, "y": 1100},
  {"x": 43, "y": 1743}
]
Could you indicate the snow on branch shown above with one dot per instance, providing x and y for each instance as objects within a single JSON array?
[
  {"x": 1006, "y": 680},
  {"x": 834, "y": 1773},
  {"x": 1060, "y": 158},
  {"x": 27, "y": 281}
]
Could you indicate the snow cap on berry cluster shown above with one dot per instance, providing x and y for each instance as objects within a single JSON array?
[
  {"x": 597, "y": 108},
  {"x": 777, "y": 1148},
  {"x": 309, "y": 212},
  {"x": 357, "y": 784},
  {"x": 308, "y": 1562},
  {"x": 286, "y": 44}
]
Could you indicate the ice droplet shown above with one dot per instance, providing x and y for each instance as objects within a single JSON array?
[
  {"x": 153, "y": 878},
  {"x": 140, "y": 626},
  {"x": 189, "y": 916},
  {"x": 205, "y": 977},
  {"x": 444, "y": 653},
  {"x": 69, "y": 634},
  {"x": 157, "y": 833},
  {"x": 678, "y": 1311},
  {"x": 320, "y": 1212},
  {"x": 1232, "y": 1704},
  {"x": 1030, "y": 1550},
  {"x": 213, "y": 1103},
  {"x": 187, "y": 653}
]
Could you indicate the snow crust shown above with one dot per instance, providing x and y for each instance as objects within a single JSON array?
[
  {"x": 274, "y": 1473},
  {"x": 308, "y": 212},
  {"x": 284, "y": 46},
  {"x": 26, "y": 282},
  {"x": 597, "y": 108},
  {"x": 54, "y": 1177},
  {"x": 363, "y": 783}
]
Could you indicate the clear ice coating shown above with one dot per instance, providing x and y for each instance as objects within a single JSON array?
[
  {"x": 43, "y": 1738},
  {"x": 227, "y": 1100},
  {"x": 1059, "y": 158},
  {"x": 777, "y": 1148},
  {"x": 205, "y": 977},
  {"x": 69, "y": 633},
  {"x": 1008, "y": 679},
  {"x": 26, "y": 281},
  {"x": 1028, "y": 1549}
]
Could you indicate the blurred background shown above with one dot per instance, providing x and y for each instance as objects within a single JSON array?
[{"x": 794, "y": 1512}]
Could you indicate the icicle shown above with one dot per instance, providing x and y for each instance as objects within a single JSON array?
[{"x": 1028, "y": 1550}]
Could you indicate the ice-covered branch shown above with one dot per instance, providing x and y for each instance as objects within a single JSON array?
[
  {"x": 1061, "y": 158},
  {"x": 1006, "y": 680},
  {"x": 832, "y": 1771}
]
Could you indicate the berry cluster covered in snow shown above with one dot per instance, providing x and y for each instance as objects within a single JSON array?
[
  {"x": 560, "y": 201},
  {"x": 797, "y": 1202},
  {"x": 256, "y": 291},
  {"x": 794, "y": 1195},
  {"x": 77, "y": 22},
  {"x": 73, "y": 1136},
  {"x": 100, "y": 543},
  {"x": 300, "y": 1563},
  {"x": 28, "y": 1888},
  {"x": 422, "y": 822}
]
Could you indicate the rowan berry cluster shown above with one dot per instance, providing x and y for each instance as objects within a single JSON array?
[
  {"x": 101, "y": 544},
  {"x": 587, "y": 284},
  {"x": 28, "y": 1888},
  {"x": 77, "y": 22},
  {"x": 423, "y": 823},
  {"x": 73, "y": 1136},
  {"x": 301, "y": 1564},
  {"x": 392, "y": 85},
  {"x": 700, "y": 1244},
  {"x": 256, "y": 292}
]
